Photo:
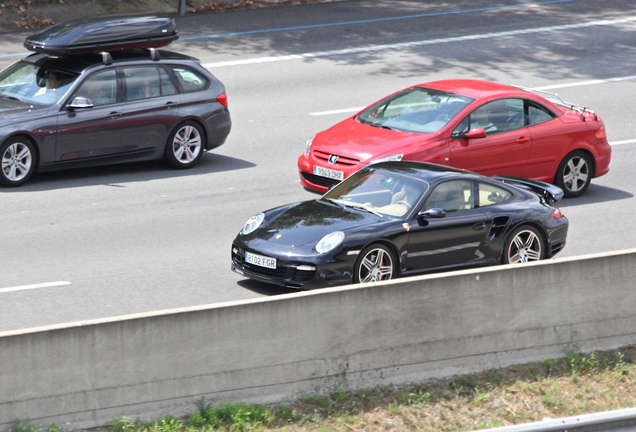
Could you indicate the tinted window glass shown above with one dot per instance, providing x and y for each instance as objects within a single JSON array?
[
  {"x": 100, "y": 88},
  {"x": 34, "y": 83},
  {"x": 415, "y": 109},
  {"x": 142, "y": 83},
  {"x": 452, "y": 196},
  {"x": 539, "y": 114},
  {"x": 189, "y": 79},
  {"x": 489, "y": 195},
  {"x": 498, "y": 116},
  {"x": 167, "y": 87}
]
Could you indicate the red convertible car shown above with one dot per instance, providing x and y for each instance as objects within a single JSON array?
[{"x": 480, "y": 126}]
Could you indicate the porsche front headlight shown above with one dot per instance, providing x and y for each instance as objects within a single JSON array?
[
  {"x": 253, "y": 223},
  {"x": 330, "y": 242}
]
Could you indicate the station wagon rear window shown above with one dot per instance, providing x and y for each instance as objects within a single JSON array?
[{"x": 189, "y": 79}]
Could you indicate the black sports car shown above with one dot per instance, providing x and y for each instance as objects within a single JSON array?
[{"x": 397, "y": 219}]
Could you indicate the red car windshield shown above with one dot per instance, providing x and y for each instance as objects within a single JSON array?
[{"x": 415, "y": 109}]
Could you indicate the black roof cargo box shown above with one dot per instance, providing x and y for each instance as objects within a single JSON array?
[{"x": 105, "y": 33}]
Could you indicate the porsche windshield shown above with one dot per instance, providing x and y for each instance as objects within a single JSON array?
[
  {"x": 380, "y": 191},
  {"x": 36, "y": 84},
  {"x": 415, "y": 109}
]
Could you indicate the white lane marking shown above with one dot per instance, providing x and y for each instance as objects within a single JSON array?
[
  {"x": 340, "y": 111},
  {"x": 615, "y": 143},
  {"x": 28, "y": 287},
  {"x": 586, "y": 83},
  {"x": 417, "y": 43}
]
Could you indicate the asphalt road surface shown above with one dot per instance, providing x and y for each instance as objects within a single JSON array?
[{"x": 117, "y": 240}]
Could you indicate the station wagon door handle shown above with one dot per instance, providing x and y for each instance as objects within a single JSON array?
[
  {"x": 523, "y": 140},
  {"x": 171, "y": 105},
  {"x": 115, "y": 115},
  {"x": 479, "y": 226}
]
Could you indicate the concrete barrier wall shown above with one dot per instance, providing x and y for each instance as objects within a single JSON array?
[{"x": 279, "y": 348}]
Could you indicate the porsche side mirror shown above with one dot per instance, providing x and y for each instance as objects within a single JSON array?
[
  {"x": 80, "y": 102},
  {"x": 433, "y": 213},
  {"x": 475, "y": 133}
]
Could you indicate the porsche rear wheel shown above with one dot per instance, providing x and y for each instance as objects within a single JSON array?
[
  {"x": 376, "y": 263},
  {"x": 524, "y": 244},
  {"x": 18, "y": 161},
  {"x": 574, "y": 174}
]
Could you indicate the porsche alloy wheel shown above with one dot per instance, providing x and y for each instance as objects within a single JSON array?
[
  {"x": 376, "y": 263},
  {"x": 185, "y": 146},
  {"x": 18, "y": 161},
  {"x": 574, "y": 174},
  {"x": 525, "y": 244}
]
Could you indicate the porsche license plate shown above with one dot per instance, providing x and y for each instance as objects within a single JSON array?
[
  {"x": 260, "y": 260},
  {"x": 329, "y": 173}
]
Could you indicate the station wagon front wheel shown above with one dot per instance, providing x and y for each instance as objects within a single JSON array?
[
  {"x": 18, "y": 161},
  {"x": 185, "y": 146}
]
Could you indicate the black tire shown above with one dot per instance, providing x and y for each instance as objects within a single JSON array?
[
  {"x": 375, "y": 263},
  {"x": 18, "y": 161},
  {"x": 524, "y": 244},
  {"x": 574, "y": 174},
  {"x": 185, "y": 145}
]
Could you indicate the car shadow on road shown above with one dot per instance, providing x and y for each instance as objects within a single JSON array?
[
  {"x": 595, "y": 194},
  {"x": 265, "y": 288},
  {"x": 117, "y": 174}
]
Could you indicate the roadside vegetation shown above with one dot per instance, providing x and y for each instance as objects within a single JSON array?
[{"x": 574, "y": 385}]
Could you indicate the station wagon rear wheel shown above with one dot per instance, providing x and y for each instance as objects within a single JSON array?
[
  {"x": 185, "y": 146},
  {"x": 376, "y": 263},
  {"x": 574, "y": 174},
  {"x": 18, "y": 161},
  {"x": 524, "y": 244}
]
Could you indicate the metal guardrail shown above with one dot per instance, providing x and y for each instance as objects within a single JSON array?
[{"x": 603, "y": 421}]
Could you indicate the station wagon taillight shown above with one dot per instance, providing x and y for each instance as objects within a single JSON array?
[{"x": 222, "y": 98}]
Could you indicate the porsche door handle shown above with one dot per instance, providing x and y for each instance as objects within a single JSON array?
[
  {"x": 523, "y": 140},
  {"x": 479, "y": 226}
]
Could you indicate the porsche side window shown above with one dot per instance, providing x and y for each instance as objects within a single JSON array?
[
  {"x": 452, "y": 196},
  {"x": 189, "y": 79},
  {"x": 489, "y": 195},
  {"x": 538, "y": 114},
  {"x": 101, "y": 88}
]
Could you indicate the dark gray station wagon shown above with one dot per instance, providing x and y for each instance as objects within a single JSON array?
[{"x": 91, "y": 101}]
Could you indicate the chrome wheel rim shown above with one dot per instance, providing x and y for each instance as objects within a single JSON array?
[
  {"x": 525, "y": 247},
  {"x": 376, "y": 266},
  {"x": 16, "y": 161},
  {"x": 575, "y": 174},
  {"x": 186, "y": 144}
]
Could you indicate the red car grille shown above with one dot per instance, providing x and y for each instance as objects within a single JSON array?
[
  {"x": 317, "y": 180},
  {"x": 342, "y": 160}
]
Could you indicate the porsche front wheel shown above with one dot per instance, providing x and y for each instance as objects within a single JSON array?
[{"x": 376, "y": 263}]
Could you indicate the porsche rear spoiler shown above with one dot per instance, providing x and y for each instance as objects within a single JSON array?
[
  {"x": 580, "y": 109},
  {"x": 550, "y": 192}
]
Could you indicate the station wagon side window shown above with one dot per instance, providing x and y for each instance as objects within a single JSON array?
[
  {"x": 538, "y": 114},
  {"x": 489, "y": 195},
  {"x": 190, "y": 80},
  {"x": 142, "y": 82},
  {"x": 101, "y": 88},
  {"x": 452, "y": 196}
]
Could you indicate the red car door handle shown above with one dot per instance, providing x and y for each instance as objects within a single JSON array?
[{"x": 523, "y": 140}]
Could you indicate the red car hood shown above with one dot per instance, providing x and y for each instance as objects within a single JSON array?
[{"x": 356, "y": 140}]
